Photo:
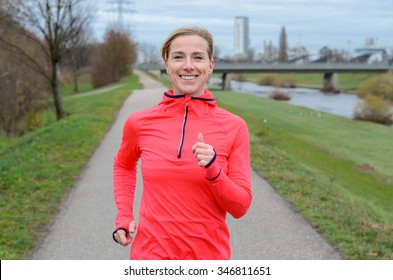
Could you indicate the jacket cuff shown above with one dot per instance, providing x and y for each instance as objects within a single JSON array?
[
  {"x": 212, "y": 170},
  {"x": 113, "y": 234}
]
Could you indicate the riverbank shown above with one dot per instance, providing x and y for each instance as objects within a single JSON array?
[{"x": 334, "y": 170}]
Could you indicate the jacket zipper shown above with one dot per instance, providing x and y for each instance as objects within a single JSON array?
[{"x": 183, "y": 130}]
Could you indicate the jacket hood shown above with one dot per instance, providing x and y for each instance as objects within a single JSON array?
[{"x": 199, "y": 105}]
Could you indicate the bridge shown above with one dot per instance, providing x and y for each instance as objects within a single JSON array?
[{"x": 329, "y": 70}]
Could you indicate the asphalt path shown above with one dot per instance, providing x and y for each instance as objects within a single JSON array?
[{"x": 82, "y": 230}]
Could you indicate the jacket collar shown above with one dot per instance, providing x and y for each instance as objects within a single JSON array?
[{"x": 198, "y": 105}]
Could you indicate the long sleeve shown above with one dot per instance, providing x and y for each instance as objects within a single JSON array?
[
  {"x": 232, "y": 189},
  {"x": 124, "y": 174}
]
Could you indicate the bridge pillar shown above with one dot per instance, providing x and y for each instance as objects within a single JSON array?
[
  {"x": 223, "y": 80},
  {"x": 226, "y": 81},
  {"x": 330, "y": 82}
]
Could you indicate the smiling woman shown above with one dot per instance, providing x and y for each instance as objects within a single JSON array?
[
  {"x": 188, "y": 60},
  {"x": 195, "y": 163},
  {"x": 188, "y": 66}
]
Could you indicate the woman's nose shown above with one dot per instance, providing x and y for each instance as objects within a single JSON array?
[{"x": 188, "y": 63}]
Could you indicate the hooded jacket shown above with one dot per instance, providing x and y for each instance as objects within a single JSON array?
[{"x": 183, "y": 206}]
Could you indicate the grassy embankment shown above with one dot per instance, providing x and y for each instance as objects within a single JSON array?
[
  {"x": 38, "y": 169},
  {"x": 335, "y": 171}
]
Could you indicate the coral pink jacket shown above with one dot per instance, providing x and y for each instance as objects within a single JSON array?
[{"x": 183, "y": 207}]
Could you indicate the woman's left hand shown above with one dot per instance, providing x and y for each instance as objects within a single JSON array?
[{"x": 203, "y": 152}]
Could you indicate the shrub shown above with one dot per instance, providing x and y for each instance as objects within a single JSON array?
[
  {"x": 266, "y": 80},
  {"x": 112, "y": 60},
  {"x": 238, "y": 77},
  {"x": 374, "y": 108},
  {"x": 276, "y": 81},
  {"x": 277, "y": 94},
  {"x": 22, "y": 96},
  {"x": 381, "y": 86},
  {"x": 285, "y": 82}
]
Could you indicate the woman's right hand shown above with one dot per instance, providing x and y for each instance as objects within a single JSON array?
[{"x": 124, "y": 238}]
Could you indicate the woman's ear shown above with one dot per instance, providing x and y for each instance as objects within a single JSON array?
[{"x": 211, "y": 66}]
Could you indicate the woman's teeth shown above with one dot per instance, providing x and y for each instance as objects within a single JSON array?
[{"x": 188, "y": 77}]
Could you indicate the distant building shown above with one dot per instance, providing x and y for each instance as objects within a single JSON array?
[
  {"x": 370, "y": 55},
  {"x": 242, "y": 39}
]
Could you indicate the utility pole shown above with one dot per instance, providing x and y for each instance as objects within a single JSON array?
[{"x": 121, "y": 7}]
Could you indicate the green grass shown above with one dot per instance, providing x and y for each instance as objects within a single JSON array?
[
  {"x": 84, "y": 84},
  {"x": 336, "y": 171},
  {"x": 37, "y": 169},
  {"x": 346, "y": 81}
]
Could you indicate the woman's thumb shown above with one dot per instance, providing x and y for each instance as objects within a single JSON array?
[
  {"x": 200, "y": 137},
  {"x": 132, "y": 227}
]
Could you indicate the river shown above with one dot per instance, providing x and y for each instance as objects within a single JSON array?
[{"x": 342, "y": 104}]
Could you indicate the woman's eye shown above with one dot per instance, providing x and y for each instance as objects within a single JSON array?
[{"x": 177, "y": 57}]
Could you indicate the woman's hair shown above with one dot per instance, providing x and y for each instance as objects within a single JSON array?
[{"x": 187, "y": 31}]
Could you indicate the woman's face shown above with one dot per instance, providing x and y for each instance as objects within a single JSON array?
[{"x": 189, "y": 65}]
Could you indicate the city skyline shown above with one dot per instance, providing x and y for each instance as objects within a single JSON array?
[{"x": 337, "y": 24}]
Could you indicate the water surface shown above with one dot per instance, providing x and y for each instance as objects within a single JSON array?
[{"x": 342, "y": 104}]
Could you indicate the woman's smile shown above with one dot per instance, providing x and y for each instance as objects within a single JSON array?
[{"x": 188, "y": 78}]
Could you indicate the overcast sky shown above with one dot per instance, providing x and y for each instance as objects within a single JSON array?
[{"x": 338, "y": 24}]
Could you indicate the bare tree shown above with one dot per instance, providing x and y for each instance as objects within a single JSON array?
[
  {"x": 51, "y": 24},
  {"x": 283, "y": 47},
  {"x": 270, "y": 52},
  {"x": 150, "y": 53},
  {"x": 78, "y": 56},
  {"x": 325, "y": 54},
  {"x": 217, "y": 52}
]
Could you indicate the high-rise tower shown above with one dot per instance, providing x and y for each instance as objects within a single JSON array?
[{"x": 242, "y": 40}]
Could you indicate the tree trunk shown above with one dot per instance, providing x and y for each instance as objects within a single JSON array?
[
  {"x": 60, "y": 112},
  {"x": 75, "y": 78}
]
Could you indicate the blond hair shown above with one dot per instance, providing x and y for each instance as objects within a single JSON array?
[{"x": 187, "y": 31}]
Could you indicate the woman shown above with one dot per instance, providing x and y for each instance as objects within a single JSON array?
[{"x": 195, "y": 163}]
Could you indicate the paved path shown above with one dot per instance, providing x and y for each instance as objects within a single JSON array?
[
  {"x": 96, "y": 91},
  {"x": 271, "y": 230}
]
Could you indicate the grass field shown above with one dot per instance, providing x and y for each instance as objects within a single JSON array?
[
  {"x": 336, "y": 171},
  {"x": 38, "y": 169}
]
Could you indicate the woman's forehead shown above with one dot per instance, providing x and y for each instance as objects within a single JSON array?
[{"x": 189, "y": 41}]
